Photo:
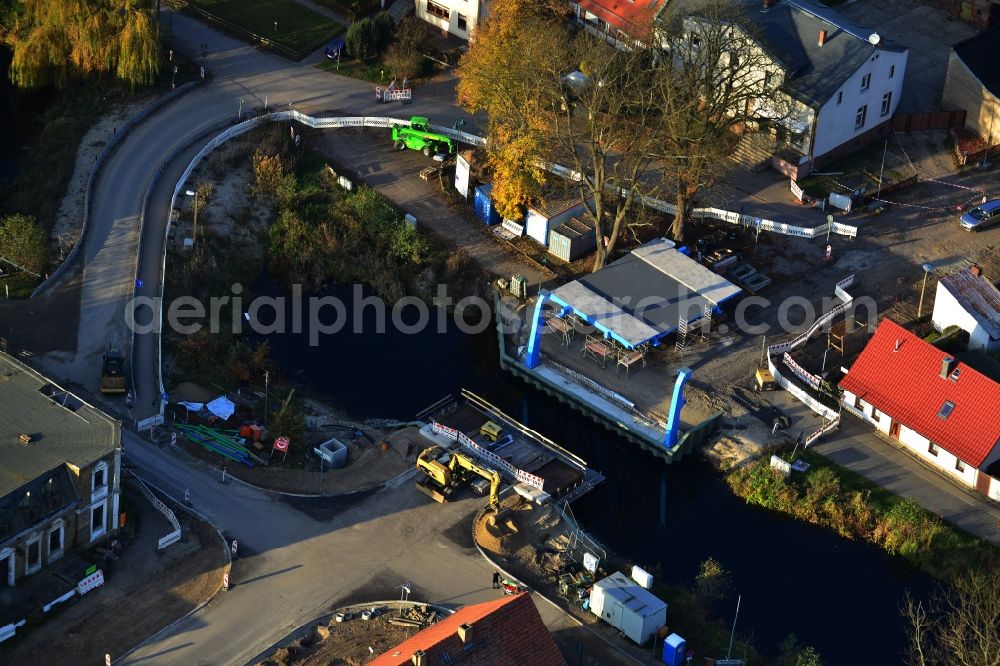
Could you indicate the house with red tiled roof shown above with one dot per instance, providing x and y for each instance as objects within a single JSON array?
[
  {"x": 621, "y": 22},
  {"x": 503, "y": 632},
  {"x": 940, "y": 409}
]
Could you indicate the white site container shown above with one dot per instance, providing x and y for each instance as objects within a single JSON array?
[
  {"x": 643, "y": 577},
  {"x": 622, "y": 603}
]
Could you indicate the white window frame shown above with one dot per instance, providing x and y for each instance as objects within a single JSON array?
[
  {"x": 932, "y": 448},
  {"x": 863, "y": 114},
  {"x": 447, "y": 11},
  {"x": 866, "y": 82},
  {"x": 460, "y": 19},
  {"x": 959, "y": 465},
  {"x": 99, "y": 492},
  {"x": 57, "y": 526},
  {"x": 886, "y": 103},
  {"x": 102, "y": 530},
  {"x": 28, "y": 568}
]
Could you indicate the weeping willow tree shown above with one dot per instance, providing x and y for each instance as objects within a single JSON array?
[{"x": 56, "y": 40}]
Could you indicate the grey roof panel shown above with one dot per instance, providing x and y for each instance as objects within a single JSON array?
[
  {"x": 64, "y": 429},
  {"x": 791, "y": 29},
  {"x": 978, "y": 297},
  {"x": 645, "y": 294}
]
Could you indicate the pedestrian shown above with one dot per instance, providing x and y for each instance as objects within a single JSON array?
[
  {"x": 496, "y": 580},
  {"x": 406, "y": 83}
]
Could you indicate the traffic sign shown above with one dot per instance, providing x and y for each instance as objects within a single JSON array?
[
  {"x": 234, "y": 546},
  {"x": 138, "y": 284},
  {"x": 281, "y": 444},
  {"x": 107, "y": 659},
  {"x": 225, "y": 582}
]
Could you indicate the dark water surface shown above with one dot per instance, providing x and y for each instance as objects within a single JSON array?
[{"x": 840, "y": 596}]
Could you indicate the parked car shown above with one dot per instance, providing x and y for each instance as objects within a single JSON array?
[{"x": 981, "y": 216}]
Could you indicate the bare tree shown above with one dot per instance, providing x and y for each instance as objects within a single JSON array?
[
  {"x": 607, "y": 131},
  {"x": 715, "y": 82},
  {"x": 959, "y": 626}
]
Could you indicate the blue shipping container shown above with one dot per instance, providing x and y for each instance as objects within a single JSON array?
[{"x": 482, "y": 204}]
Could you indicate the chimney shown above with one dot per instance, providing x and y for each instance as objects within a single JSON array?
[
  {"x": 822, "y": 38},
  {"x": 976, "y": 270},
  {"x": 947, "y": 365},
  {"x": 465, "y": 633},
  {"x": 419, "y": 658}
]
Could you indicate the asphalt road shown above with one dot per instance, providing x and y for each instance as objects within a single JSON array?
[{"x": 297, "y": 559}]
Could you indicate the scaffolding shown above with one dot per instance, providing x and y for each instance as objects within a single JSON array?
[
  {"x": 562, "y": 328},
  {"x": 599, "y": 349}
]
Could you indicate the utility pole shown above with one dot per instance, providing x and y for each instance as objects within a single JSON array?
[
  {"x": 266, "y": 377},
  {"x": 732, "y": 634}
]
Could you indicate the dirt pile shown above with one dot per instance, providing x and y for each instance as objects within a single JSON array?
[{"x": 349, "y": 643}]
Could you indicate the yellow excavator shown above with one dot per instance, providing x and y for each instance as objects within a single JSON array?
[{"x": 447, "y": 471}]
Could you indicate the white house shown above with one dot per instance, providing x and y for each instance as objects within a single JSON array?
[
  {"x": 621, "y": 22},
  {"x": 940, "y": 410},
  {"x": 846, "y": 79},
  {"x": 971, "y": 302},
  {"x": 457, "y": 17}
]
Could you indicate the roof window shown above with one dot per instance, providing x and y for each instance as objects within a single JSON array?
[{"x": 945, "y": 410}]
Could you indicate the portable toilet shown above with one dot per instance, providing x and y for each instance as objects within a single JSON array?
[
  {"x": 482, "y": 204},
  {"x": 542, "y": 218},
  {"x": 674, "y": 650},
  {"x": 572, "y": 239},
  {"x": 622, "y": 603}
]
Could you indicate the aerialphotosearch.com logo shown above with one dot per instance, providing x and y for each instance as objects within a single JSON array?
[{"x": 328, "y": 315}]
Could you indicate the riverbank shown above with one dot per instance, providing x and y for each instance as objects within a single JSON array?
[{"x": 855, "y": 508}]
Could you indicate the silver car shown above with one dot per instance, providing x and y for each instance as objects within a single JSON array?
[{"x": 981, "y": 216}]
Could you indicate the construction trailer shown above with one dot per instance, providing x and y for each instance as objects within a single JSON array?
[{"x": 626, "y": 606}]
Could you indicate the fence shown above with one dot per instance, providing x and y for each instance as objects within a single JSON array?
[
  {"x": 289, "y": 53},
  {"x": 484, "y": 454},
  {"x": 174, "y": 536},
  {"x": 929, "y": 120},
  {"x": 579, "y": 541},
  {"x": 784, "y": 347}
]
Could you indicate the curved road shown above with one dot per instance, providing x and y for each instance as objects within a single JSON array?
[{"x": 297, "y": 557}]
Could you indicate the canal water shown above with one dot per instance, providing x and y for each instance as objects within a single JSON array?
[{"x": 840, "y": 596}]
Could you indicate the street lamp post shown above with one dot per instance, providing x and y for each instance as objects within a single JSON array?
[
  {"x": 266, "y": 377},
  {"x": 194, "y": 233},
  {"x": 927, "y": 271}
]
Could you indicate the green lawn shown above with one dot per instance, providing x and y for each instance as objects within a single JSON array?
[{"x": 299, "y": 28}]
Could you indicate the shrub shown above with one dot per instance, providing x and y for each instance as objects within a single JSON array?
[
  {"x": 382, "y": 26},
  {"x": 23, "y": 242},
  {"x": 361, "y": 39}
]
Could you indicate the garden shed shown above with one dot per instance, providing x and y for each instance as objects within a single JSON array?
[
  {"x": 482, "y": 204},
  {"x": 572, "y": 239},
  {"x": 552, "y": 212}
]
